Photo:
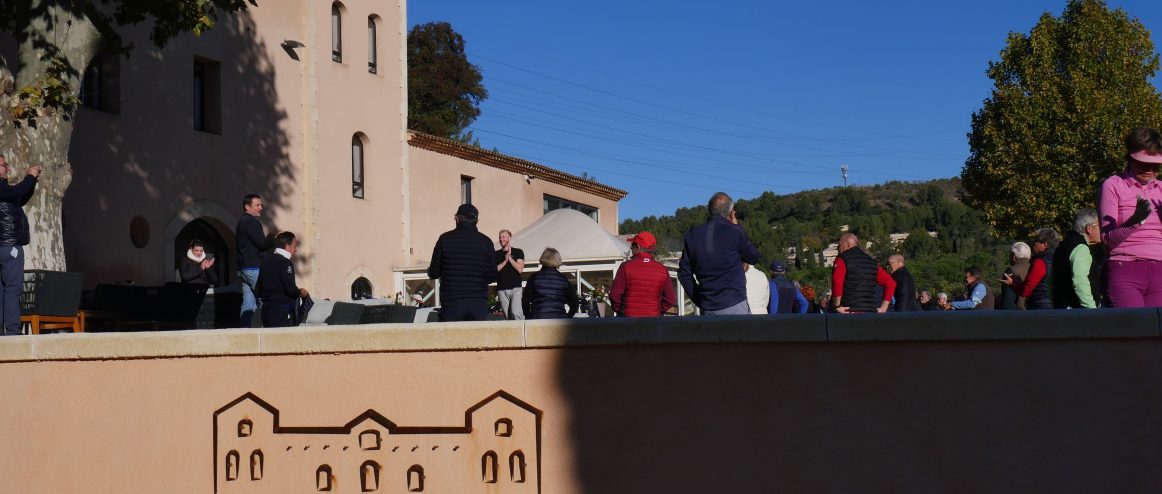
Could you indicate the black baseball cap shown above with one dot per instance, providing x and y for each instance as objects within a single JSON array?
[{"x": 468, "y": 211}]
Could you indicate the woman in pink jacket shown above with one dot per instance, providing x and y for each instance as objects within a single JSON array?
[{"x": 1131, "y": 226}]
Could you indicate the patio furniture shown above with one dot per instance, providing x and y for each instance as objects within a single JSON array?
[{"x": 50, "y": 299}]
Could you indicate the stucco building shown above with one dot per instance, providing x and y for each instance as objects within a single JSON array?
[{"x": 304, "y": 103}]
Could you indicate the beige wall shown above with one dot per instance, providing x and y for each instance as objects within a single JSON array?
[
  {"x": 286, "y": 134},
  {"x": 505, "y": 199},
  {"x": 1051, "y": 402}
]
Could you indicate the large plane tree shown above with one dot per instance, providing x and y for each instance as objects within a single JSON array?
[
  {"x": 39, "y": 93},
  {"x": 1064, "y": 96}
]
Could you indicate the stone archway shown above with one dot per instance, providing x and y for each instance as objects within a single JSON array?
[{"x": 208, "y": 214}]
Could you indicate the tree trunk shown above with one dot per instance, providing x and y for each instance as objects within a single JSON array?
[{"x": 46, "y": 142}]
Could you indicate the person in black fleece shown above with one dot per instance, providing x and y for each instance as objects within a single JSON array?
[
  {"x": 276, "y": 283},
  {"x": 463, "y": 262},
  {"x": 14, "y": 235}
]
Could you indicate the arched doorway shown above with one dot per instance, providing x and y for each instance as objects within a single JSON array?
[{"x": 202, "y": 229}]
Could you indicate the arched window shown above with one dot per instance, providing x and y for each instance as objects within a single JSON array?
[
  {"x": 504, "y": 427},
  {"x": 372, "y": 56},
  {"x": 369, "y": 440},
  {"x": 369, "y": 476},
  {"x": 323, "y": 478},
  {"x": 244, "y": 427},
  {"x": 357, "y": 166},
  {"x": 337, "y": 32},
  {"x": 488, "y": 465},
  {"x": 256, "y": 465},
  {"x": 516, "y": 467},
  {"x": 416, "y": 479},
  {"x": 232, "y": 465},
  {"x": 361, "y": 289}
]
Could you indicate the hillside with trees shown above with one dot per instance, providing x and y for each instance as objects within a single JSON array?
[{"x": 796, "y": 228}]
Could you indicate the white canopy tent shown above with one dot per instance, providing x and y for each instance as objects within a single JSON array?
[{"x": 589, "y": 254}]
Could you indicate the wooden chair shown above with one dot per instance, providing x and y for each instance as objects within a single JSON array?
[{"x": 50, "y": 300}]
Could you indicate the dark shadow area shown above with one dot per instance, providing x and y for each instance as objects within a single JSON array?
[
  {"x": 201, "y": 123},
  {"x": 1042, "y": 401}
]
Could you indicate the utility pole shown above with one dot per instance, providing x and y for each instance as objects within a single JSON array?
[{"x": 843, "y": 169}]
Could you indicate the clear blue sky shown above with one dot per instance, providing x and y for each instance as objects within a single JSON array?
[{"x": 673, "y": 100}]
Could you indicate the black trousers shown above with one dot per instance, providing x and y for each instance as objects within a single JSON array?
[
  {"x": 464, "y": 310},
  {"x": 277, "y": 314}
]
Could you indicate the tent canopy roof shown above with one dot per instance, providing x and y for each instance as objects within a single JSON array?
[{"x": 573, "y": 233}]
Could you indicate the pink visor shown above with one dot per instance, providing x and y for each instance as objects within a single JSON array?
[{"x": 1144, "y": 157}]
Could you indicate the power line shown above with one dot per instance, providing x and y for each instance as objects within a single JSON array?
[
  {"x": 679, "y": 143},
  {"x": 663, "y": 107},
  {"x": 717, "y": 131},
  {"x": 591, "y": 70}
]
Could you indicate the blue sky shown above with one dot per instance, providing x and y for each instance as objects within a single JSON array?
[{"x": 674, "y": 100}]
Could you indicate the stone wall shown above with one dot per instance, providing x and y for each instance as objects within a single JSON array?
[{"x": 1058, "y": 401}]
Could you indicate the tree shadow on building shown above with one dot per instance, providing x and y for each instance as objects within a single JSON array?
[{"x": 196, "y": 126}]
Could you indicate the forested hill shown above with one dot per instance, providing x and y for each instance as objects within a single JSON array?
[{"x": 801, "y": 226}]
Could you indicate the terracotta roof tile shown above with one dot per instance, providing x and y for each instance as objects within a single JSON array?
[{"x": 509, "y": 163}]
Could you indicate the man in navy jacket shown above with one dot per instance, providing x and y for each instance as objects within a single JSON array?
[
  {"x": 276, "y": 283},
  {"x": 712, "y": 256},
  {"x": 463, "y": 262}
]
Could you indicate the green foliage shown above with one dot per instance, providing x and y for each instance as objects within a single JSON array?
[
  {"x": 42, "y": 25},
  {"x": 1065, "y": 94},
  {"x": 805, "y": 223},
  {"x": 166, "y": 19},
  {"x": 50, "y": 95},
  {"x": 444, "y": 88}
]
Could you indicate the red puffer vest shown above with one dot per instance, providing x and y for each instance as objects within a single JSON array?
[{"x": 644, "y": 278}]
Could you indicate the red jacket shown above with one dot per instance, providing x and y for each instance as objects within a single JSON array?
[{"x": 642, "y": 287}]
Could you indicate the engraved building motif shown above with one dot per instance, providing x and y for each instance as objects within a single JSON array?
[{"x": 497, "y": 450}]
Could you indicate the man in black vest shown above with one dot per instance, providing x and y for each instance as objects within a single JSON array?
[
  {"x": 854, "y": 279},
  {"x": 463, "y": 262},
  {"x": 1036, "y": 287},
  {"x": 785, "y": 298},
  {"x": 276, "y": 283},
  {"x": 1075, "y": 272},
  {"x": 905, "y": 285},
  {"x": 977, "y": 295}
]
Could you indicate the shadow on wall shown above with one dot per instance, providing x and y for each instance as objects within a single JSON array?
[
  {"x": 992, "y": 415},
  {"x": 200, "y": 121}
]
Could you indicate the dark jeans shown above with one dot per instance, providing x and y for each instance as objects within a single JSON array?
[
  {"x": 12, "y": 283},
  {"x": 277, "y": 314},
  {"x": 464, "y": 310}
]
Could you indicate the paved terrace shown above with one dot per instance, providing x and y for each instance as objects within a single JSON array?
[{"x": 1037, "y": 401}]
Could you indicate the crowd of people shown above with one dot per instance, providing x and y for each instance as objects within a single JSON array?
[{"x": 1111, "y": 257}]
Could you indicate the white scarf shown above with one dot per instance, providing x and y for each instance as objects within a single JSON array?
[{"x": 190, "y": 254}]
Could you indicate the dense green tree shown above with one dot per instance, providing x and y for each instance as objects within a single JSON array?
[
  {"x": 1064, "y": 96},
  {"x": 57, "y": 40},
  {"x": 920, "y": 246},
  {"x": 444, "y": 88},
  {"x": 937, "y": 263}
]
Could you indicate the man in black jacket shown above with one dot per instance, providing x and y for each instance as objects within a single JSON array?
[
  {"x": 14, "y": 236},
  {"x": 905, "y": 285},
  {"x": 253, "y": 245},
  {"x": 276, "y": 283},
  {"x": 463, "y": 262}
]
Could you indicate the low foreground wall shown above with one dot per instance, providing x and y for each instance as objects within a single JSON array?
[{"x": 1056, "y": 401}]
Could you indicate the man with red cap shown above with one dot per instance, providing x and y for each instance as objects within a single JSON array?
[{"x": 642, "y": 286}]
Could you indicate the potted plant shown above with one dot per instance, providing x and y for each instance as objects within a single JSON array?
[{"x": 601, "y": 299}]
